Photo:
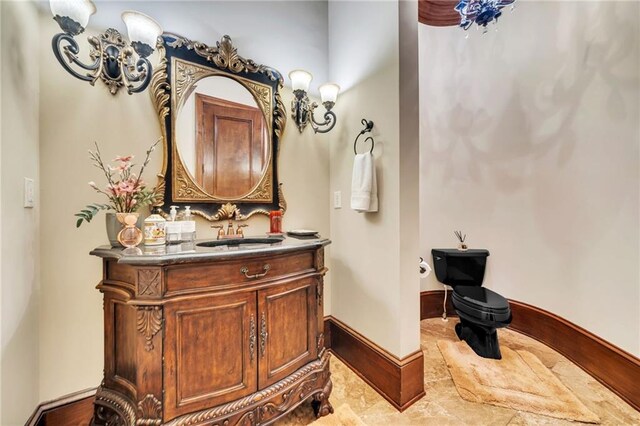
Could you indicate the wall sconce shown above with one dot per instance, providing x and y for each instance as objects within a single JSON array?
[
  {"x": 302, "y": 110},
  {"x": 113, "y": 59}
]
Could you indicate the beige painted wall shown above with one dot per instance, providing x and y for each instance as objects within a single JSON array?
[
  {"x": 530, "y": 144},
  {"x": 372, "y": 292},
  {"x": 73, "y": 115},
  {"x": 20, "y": 291}
]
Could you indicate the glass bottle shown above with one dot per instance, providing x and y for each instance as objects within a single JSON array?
[{"x": 129, "y": 236}]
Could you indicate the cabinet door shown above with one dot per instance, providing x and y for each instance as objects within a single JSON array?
[
  {"x": 287, "y": 331},
  {"x": 210, "y": 352}
]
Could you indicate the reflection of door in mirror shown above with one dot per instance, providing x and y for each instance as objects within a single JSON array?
[{"x": 231, "y": 153}]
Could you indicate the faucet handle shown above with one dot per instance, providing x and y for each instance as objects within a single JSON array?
[
  {"x": 240, "y": 232},
  {"x": 220, "y": 229}
]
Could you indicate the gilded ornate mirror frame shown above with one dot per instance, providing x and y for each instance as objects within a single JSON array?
[{"x": 182, "y": 63}]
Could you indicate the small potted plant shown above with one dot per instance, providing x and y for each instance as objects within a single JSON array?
[{"x": 126, "y": 192}]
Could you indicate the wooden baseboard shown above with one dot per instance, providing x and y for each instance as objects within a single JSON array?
[
  {"x": 615, "y": 368},
  {"x": 72, "y": 409},
  {"x": 399, "y": 381}
]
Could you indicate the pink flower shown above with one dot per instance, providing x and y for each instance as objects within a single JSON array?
[
  {"x": 124, "y": 166},
  {"x": 126, "y": 187},
  {"x": 115, "y": 190},
  {"x": 126, "y": 159},
  {"x": 93, "y": 185}
]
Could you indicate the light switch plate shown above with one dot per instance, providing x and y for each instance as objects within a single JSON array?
[
  {"x": 337, "y": 200},
  {"x": 29, "y": 193}
]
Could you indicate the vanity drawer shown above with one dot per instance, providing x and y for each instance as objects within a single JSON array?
[{"x": 188, "y": 277}]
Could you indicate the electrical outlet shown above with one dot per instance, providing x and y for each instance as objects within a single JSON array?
[
  {"x": 29, "y": 191},
  {"x": 337, "y": 200}
]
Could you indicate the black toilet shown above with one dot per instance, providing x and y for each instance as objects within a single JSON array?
[{"x": 481, "y": 311}]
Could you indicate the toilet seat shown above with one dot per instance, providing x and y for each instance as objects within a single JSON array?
[{"x": 482, "y": 305}]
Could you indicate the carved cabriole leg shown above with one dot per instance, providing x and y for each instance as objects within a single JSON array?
[
  {"x": 112, "y": 409},
  {"x": 321, "y": 405}
]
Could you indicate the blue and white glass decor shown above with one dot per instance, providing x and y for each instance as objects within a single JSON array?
[{"x": 482, "y": 12}]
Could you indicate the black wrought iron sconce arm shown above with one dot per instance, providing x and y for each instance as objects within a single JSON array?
[{"x": 113, "y": 61}]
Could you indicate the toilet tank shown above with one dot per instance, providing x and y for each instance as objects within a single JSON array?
[{"x": 454, "y": 267}]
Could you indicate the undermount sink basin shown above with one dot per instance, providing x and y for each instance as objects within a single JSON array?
[{"x": 241, "y": 241}]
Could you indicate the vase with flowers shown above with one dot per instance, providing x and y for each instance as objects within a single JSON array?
[{"x": 126, "y": 193}]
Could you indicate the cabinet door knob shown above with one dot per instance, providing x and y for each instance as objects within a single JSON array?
[
  {"x": 252, "y": 337},
  {"x": 263, "y": 335},
  {"x": 245, "y": 270}
]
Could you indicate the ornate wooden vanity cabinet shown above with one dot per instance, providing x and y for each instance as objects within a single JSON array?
[{"x": 213, "y": 337}]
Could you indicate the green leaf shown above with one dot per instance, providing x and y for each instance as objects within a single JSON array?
[{"x": 78, "y": 223}]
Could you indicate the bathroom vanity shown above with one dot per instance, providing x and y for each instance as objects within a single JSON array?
[{"x": 222, "y": 335}]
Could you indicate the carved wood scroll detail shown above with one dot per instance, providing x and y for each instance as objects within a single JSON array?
[
  {"x": 225, "y": 56},
  {"x": 320, "y": 344},
  {"x": 149, "y": 323},
  {"x": 149, "y": 282},
  {"x": 319, "y": 288},
  {"x": 160, "y": 90},
  {"x": 111, "y": 408},
  {"x": 263, "y": 400},
  {"x": 149, "y": 411}
]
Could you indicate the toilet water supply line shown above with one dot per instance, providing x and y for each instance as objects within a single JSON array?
[{"x": 444, "y": 305}]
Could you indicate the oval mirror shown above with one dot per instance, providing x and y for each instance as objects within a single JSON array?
[{"x": 222, "y": 137}]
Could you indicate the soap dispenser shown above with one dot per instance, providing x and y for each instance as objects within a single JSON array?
[
  {"x": 173, "y": 228},
  {"x": 173, "y": 212},
  {"x": 188, "y": 226}
]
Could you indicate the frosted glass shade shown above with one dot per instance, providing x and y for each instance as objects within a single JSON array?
[
  {"x": 78, "y": 10},
  {"x": 300, "y": 80},
  {"x": 141, "y": 28},
  {"x": 329, "y": 92}
]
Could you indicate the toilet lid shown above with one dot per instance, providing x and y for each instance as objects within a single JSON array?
[{"x": 480, "y": 296}]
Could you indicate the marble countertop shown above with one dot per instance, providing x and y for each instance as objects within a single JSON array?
[{"x": 191, "y": 252}]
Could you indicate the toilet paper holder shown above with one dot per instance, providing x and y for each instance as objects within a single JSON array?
[{"x": 422, "y": 268}]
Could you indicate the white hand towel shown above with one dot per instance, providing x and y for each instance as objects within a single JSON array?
[{"x": 364, "y": 188}]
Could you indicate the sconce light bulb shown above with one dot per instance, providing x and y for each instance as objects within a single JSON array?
[
  {"x": 143, "y": 32},
  {"x": 300, "y": 80},
  {"x": 329, "y": 93},
  {"x": 72, "y": 15}
]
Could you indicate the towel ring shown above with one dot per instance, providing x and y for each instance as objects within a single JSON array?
[
  {"x": 368, "y": 125},
  {"x": 373, "y": 144}
]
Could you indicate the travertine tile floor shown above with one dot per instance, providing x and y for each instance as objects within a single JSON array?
[{"x": 443, "y": 406}]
